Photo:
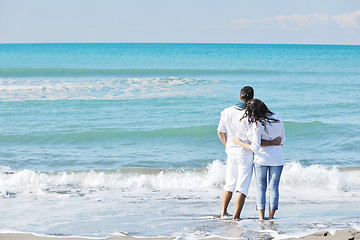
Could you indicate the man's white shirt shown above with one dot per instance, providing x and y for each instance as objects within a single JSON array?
[{"x": 231, "y": 124}]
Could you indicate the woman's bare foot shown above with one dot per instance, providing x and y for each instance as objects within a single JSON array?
[{"x": 271, "y": 214}]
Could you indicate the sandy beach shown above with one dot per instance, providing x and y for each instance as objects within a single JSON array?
[{"x": 345, "y": 234}]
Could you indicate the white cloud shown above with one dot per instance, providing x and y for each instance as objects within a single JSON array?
[
  {"x": 256, "y": 20},
  {"x": 347, "y": 20},
  {"x": 304, "y": 20}
]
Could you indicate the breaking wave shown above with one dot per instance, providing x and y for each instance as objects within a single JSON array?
[{"x": 315, "y": 182}]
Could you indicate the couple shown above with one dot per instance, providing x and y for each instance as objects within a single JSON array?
[{"x": 253, "y": 137}]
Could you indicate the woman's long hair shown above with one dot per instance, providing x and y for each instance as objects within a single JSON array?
[{"x": 257, "y": 112}]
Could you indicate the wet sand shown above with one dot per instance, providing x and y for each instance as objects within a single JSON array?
[
  {"x": 346, "y": 234},
  {"x": 24, "y": 236}
]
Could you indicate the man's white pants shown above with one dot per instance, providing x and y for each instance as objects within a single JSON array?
[{"x": 239, "y": 169}]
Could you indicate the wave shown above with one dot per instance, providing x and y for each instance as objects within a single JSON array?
[
  {"x": 304, "y": 128},
  {"x": 86, "y": 72},
  {"x": 80, "y": 72},
  {"x": 109, "y": 135},
  {"x": 9, "y": 85},
  {"x": 101, "y": 89},
  {"x": 293, "y": 129},
  {"x": 297, "y": 181},
  {"x": 324, "y": 126}
]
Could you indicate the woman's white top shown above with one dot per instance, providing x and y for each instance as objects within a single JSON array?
[{"x": 269, "y": 155}]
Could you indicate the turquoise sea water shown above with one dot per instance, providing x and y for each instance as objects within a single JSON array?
[{"x": 100, "y": 124}]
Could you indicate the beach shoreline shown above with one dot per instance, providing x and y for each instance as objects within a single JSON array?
[
  {"x": 29, "y": 236},
  {"x": 342, "y": 234}
]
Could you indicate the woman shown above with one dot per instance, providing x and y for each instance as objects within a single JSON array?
[{"x": 268, "y": 160}]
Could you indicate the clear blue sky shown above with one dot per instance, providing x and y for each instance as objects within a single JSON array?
[{"x": 224, "y": 21}]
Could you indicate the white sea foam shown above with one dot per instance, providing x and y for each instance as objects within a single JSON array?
[
  {"x": 5, "y": 168},
  {"x": 150, "y": 197},
  {"x": 319, "y": 183},
  {"x": 31, "y": 182},
  {"x": 297, "y": 182},
  {"x": 103, "y": 89}
]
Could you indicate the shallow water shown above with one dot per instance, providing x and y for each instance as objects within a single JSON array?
[{"x": 121, "y": 138}]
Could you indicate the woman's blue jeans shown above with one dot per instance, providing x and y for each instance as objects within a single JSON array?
[{"x": 267, "y": 175}]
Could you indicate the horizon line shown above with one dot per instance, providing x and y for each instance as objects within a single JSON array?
[{"x": 252, "y": 43}]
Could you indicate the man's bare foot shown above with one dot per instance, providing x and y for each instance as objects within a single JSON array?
[{"x": 226, "y": 215}]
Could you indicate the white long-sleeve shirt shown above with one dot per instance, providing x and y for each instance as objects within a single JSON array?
[
  {"x": 231, "y": 125},
  {"x": 269, "y": 155}
]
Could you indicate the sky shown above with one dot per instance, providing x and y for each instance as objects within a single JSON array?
[{"x": 181, "y": 21}]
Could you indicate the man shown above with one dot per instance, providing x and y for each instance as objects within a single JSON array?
[{"x": 239, "y": 163}]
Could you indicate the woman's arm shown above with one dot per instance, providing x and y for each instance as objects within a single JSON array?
[
  {"x": 255, "y": 134},
  {"x": 238, "y": 141}
]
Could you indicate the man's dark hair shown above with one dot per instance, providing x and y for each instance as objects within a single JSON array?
[{"x": 247, "y": 93}]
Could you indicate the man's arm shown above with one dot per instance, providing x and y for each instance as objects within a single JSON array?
[
  {"x": 222, "y": 137},
  {"x": 276, "y": 142}
]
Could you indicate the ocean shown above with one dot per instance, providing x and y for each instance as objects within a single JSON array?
[{"x": 102, "y": 140}]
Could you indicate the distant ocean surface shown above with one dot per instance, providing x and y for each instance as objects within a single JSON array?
[{"x": 101, "y": 140}]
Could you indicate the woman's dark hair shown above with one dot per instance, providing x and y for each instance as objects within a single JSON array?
[{"x": 257, "y": 111}]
